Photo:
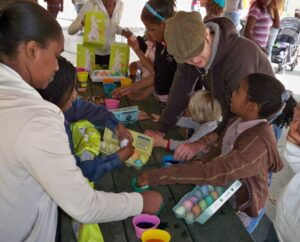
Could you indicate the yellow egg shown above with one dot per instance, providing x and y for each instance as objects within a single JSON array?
[{"x": 196, "y": 210}]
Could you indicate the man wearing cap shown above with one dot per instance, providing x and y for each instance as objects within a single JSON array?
[{"x": 211, "y": 54}]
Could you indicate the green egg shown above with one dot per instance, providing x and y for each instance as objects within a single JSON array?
[
  {"x": 203, "y": 204},
  {"x": 214, "y": 194}
]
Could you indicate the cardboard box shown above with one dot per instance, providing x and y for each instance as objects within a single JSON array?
[
  {"x": 94, "y": 28},
  {"x": 119, "y": 58},
  {"x": 85, "y": 57}
]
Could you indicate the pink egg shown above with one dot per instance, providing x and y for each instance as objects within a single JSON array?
[
  {"x": 187, "y": 204},
  {"x": 196, "y": 210}
]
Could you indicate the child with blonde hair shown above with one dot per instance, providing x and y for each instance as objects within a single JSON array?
[{"x": 205, "y": 112}]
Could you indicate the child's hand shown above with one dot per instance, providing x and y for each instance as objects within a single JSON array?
[
  {"x": 142, "y": 180},
  {"x": 152, "y": 202},
  {"x": 121, "y": 92},
  {"x": 155, "y": 117},
  {"x": 125, "y": 152},
  {"x": 126, "y": 33},
  {"x": 160, "y": 141},
  {"x": 188, "y": 151},
  {"x": 152, "y": 133},
  {"x": 123, "y": 133}
]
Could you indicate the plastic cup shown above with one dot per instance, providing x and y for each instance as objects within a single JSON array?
[
  {"x": 125, "y": 82},
  {"x": 156, "y": 235},
  {"x": 82, "y": 76},
  {"x": 111, "y": 103},
  {"x": 143, "y": 222},
  {"x": 136, "y": 188},
  {"x": 108, "y": 89},
  {"x": 169, "y": 160}
]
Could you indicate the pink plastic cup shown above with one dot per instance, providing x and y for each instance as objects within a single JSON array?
[
  {"x": 111, "y": 103},
  {"x": 143, "y": 222}
]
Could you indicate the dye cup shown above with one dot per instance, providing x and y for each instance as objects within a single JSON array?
[
  {"x": 169, "y": 160},
  {"x": 108, "y": 89},
  {"x": 136, "y": 188},
  {"x": 156, "y": 235},
  {"x": 111, "y": 103},
  {"x": 125, "y": 82},
  {"x": 143, "y": 222},
  {"x": 82, "y": 76}
]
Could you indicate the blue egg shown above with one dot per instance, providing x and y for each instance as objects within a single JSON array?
[
  {"x": 204, "y": 190},
  {"x": 198, "y": 194},
  {"x": 209, "y": 200}
]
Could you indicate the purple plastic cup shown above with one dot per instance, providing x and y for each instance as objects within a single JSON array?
[{"x": 144, "y": 222}]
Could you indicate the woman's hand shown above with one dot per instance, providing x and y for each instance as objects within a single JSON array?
[
  {"x": 121, "y": 92},
  {"x": 133, "y": 43},
  {"x": 126, "y": 33},
  {"x": 142, "y": 180},
  {"x": 152, "y": 202},
  {"x": 123, "y": 133}
]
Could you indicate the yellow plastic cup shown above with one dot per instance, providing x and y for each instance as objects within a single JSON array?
[
  {"x": 125, "y": 82},
  {"x": 156, "y": 235},
  {"x": 82, "y": 76}
]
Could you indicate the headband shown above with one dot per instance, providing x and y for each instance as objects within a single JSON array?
[
  {"x": 285, "y": 95},
  {"x": 156, "y": 14}
]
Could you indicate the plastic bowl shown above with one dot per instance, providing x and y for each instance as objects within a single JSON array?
[
  {"x": 156, "y": 235},
  {"x": 111, "y": 103},
  {"x": 125, "y": 82},
  {"x": 144, "y": 222}
]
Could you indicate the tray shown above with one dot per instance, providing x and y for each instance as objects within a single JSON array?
[
  {"x": 100, "y": 75},
  {"x": 186, "y": 208}
]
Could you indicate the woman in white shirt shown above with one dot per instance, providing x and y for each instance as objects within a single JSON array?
[{"x": 38, "y": 171}]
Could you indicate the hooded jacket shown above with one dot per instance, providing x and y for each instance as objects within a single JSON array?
[
  {"x": 253, "y": 156},
  {"x": 233, "y": 58}
]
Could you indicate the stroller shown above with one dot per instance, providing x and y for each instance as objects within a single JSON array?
[{"x": 285, "y": 50}]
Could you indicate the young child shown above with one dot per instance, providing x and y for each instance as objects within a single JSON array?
[
  {"x": 61, "y": 92},
  {"x": 55, "y": 6},
  {"x": 154, "y": 15},
  {"x": 205, "y": 113},
  {"x": 248, "y": 149},
  {"x": 214, "y": 8}
]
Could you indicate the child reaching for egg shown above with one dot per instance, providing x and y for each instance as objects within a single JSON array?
[
  {"x": 247, "y": 148},
  {"x": 205, "y": 112}
]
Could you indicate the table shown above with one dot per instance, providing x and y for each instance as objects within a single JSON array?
[{"x": 223, "y": 226}]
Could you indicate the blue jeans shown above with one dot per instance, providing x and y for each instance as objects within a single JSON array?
[{"x": 277, "y": 131}]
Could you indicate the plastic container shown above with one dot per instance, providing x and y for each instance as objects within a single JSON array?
[
  {"x": 136, "y": 188},
  {"x": 156, "y": 235},
  {"x": 125, "y": 82},
  {"x": 168, "y": 160},
  {"x": 203, "y": 201},
  {"x": 108, "y": 89},
  {"x": 82, "y": 76},
  {"x": 111, "y": 103},
  {"x": 144, "y": 222}
]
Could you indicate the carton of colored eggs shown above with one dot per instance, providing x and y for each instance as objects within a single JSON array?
[{"x": 203, "y": 201}]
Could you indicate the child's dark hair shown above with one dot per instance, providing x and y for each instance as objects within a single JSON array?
[
  {"x": 156, "y": 11},
  {"x": 61, "y": 88},
  {"x": 25, "y": 21},
  {"x": 269, "y": 93}
]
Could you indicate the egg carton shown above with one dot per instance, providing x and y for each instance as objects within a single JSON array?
[
  {"x": 143, "y": 146},
  {"x": 202, "y": 202}
]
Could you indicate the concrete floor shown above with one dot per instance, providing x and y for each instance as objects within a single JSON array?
[{"x": 291, "y": 81}]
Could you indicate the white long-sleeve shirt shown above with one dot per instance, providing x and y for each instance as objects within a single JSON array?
[
  {"x": 38, "y": 171},
  {"x": 287, "y": 219},
  {"x": 112, "y": 23}
]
